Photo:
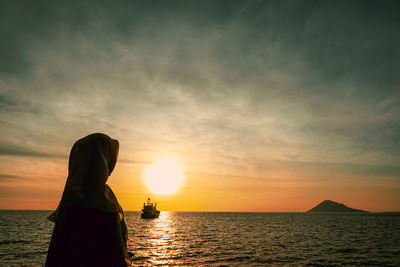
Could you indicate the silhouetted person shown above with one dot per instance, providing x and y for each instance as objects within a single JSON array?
[{"x": 89, "y": 223}]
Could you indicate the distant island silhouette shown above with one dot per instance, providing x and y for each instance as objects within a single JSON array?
[{"x": 332, "y": 206}]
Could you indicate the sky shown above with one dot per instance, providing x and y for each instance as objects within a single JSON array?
[{"x": 267, "y": 105}]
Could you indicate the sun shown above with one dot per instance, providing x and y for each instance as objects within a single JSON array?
[{"x": 164, "y": 177}]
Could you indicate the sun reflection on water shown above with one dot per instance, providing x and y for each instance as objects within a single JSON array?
[{"x": 161, "y": 236}]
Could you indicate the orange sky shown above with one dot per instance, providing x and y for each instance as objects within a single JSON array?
[{"x": 280, "y": 190}]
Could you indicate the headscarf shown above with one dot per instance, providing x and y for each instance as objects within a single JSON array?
[{"x": 91, "y": 161}]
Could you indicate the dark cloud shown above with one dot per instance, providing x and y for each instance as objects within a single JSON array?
[
  {"x": 301, "y": 81},
  {"x": 12, "y": 150},
  {"x": 33, "y": 192},
  {"x": 343, "y": 168},
  {"x": 6, "y": 102},
  {"x": 10, "y": 177}
]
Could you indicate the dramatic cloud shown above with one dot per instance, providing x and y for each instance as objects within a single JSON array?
[{"x": 233, "y": 87}]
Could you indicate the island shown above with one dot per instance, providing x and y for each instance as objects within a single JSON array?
[{"x": 332, "y": 206}]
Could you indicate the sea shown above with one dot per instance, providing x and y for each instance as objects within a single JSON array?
[{"x": 226, "y": 239}]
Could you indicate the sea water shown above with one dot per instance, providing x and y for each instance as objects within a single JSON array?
[{"x": 226, "y": 239}]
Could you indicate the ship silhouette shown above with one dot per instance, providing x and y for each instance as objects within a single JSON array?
[{"x": 149, "y": 210}]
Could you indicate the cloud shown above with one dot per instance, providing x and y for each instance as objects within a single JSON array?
[
  {"x": 10, "y": 150},
  {"x": 241, "y": 83},
  {"x": 10, "y": 177}
]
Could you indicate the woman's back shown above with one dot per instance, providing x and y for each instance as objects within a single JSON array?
[{"x": 88, "y": 237}]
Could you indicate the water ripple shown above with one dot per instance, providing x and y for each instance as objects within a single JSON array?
[{"x": 226, "y": 239}]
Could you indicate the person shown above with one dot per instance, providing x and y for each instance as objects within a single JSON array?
[{"x": 90, "y": 229}]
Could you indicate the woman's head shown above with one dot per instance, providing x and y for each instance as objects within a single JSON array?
[{"x": 92, "y": 159}]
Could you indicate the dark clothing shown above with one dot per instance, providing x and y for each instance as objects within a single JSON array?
[
  {"x": 87, "y": 237},
  {"x": 90, "y": 229}
]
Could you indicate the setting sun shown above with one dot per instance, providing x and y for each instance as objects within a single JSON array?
[{"x": 164, "y": 177}]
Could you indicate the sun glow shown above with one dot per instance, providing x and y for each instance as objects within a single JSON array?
[{"x": 164, "y": 177}]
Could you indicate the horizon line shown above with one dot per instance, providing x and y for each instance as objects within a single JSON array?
[{"x": 212, "y": 211}]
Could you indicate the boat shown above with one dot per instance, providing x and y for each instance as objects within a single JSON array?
[{"x": 149, "y": 210}]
